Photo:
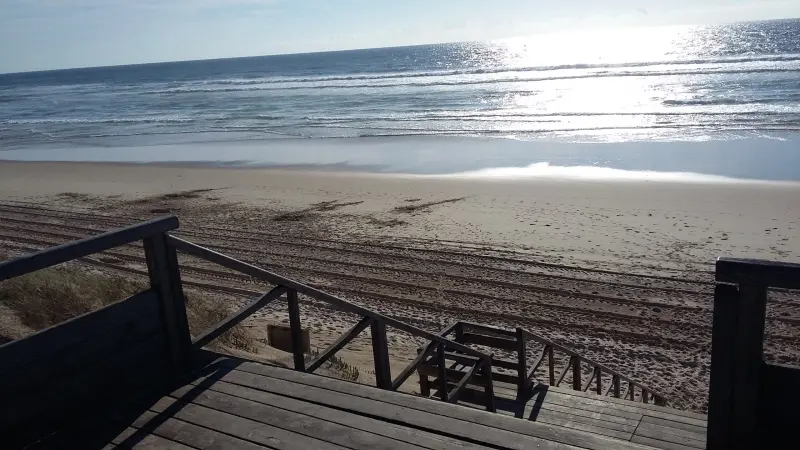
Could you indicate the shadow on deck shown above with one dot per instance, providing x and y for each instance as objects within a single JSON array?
[{"x": 130, "y": 375}]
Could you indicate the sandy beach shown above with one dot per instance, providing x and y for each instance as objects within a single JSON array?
[{"x": 619, "y": 270}]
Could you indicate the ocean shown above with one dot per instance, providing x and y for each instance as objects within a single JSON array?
[{"x": 623, "y": 99}]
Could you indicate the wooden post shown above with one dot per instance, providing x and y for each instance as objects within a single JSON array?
[
  {"x": 460, "y": 333},
  {"x": 523, "y": 383},
  {"x": 552, "y": 364},
  {"x": 424, "y": 385},
  {"x": 162, "y": 268},
  {"x": 296, "y": 330},
  {"x": 576, "y": 373},
  {"x": 489, "y": 389},
  {"x": 380, "y": 353},
  {"x": 644, "y": 395},
  {"x": 615, "y": 382},
  {"x": 599, "y": 380},
  {"x": 440, "y": 361}
]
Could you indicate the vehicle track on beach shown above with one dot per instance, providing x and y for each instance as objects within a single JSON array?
[{"x": 644, "y": 324}]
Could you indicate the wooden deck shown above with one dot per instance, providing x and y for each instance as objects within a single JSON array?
[
  {"x": 235, "y": 404},
  {"x": 621, "y": 419}
]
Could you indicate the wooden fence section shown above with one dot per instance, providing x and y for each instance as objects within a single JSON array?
[
  {"x": 61, "y": 374},
  {"x": 752, "y": 403},
  {"x": 482, "y": 363},
  {"x": 583, "y": 373}
]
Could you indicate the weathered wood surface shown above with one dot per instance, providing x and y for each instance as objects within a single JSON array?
[
  {"x": 235, "y": 404},
  {"x": 84, "y": 247},
  {"x": 769, "y": 273}
]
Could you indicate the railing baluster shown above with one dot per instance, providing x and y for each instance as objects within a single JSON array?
[
  {"x": 380, "y": 353},
  {"x": 576, "y": 373},
  {"x": 552, "y": 364},
  {"x": 523, "y": 381},
  {"x": 442, "y": 363},
  {"x": 296, "y": 330},
  {"x": 616, "y": 383},
  {"x": 599, "y": 380},
  {"x": 487, "y": 374},
  {"x": 644, "y": 395}
]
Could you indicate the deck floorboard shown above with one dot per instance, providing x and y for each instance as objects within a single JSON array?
[{"x": 232, "y": 404}]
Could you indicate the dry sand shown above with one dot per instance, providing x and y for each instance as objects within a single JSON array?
[{"x": 618, "y": 270}]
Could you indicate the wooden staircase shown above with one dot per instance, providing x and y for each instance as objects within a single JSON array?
[{"x": 454, "y": 376}]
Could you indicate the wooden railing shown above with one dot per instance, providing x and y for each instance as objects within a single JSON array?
[
  {"x": 601, "y": 379},
  {"x": 375, "y": 321},
  {"x": 752, "y": 403}
]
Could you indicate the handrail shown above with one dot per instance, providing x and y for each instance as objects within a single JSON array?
[
  {"x": 78, "y": 249},
  {"x": 343, "y": 305},
  {"x": 775, "y": 274},
  {"x": 604, "y": 368}
]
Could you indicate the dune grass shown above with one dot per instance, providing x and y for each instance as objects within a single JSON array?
[{"x": 48, "y": 297}]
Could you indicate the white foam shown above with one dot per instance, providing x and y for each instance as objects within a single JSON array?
[{"x": 545, "y": 170}]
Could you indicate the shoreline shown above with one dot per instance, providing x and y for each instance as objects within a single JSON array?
[{"x": 488, "y": 175}]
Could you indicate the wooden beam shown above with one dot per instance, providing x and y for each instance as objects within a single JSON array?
[
  {"x": 723, "y": 337},
  {"x": 413, "y": 366},
  {"x": 616, "y": 382},
  {"x": 589, "y": 381},
  {"x": 235, "y": 318},
  {"x": 599, "y": 380},
  {"x": 487, "y": 328},
  {"x": 162, "y": 279},
  {"x": 490, "y": 341},
  {"x": 342, "y": 305},
  {"x": 442, "y": 365},
  {"x": 296, "y": 330},
  {"x": 537, "y": 363},
  {"x": 576, "y": 373},
  {"x": 523, "y": 380},
  {"x": 487, "y": 374},
  {"x": 769, "y": 273},
  {"x": 552, "y": 365},
  {"x": 459, "y": 389},
  {"x": 85, "y": 247},
  {"x": 564, "y": 371},
  {"x": 341, "y": 342},
  {"x": 380, "y": 353}
]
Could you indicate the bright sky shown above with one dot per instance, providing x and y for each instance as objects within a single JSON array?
[{"x": 49, "y": 34}]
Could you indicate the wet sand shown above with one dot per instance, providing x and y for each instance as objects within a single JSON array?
[{"x": 619, "y": 270}]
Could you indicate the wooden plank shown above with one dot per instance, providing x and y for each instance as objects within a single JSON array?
[
  {"x": 339, "y": 344},
  {"x": 694, "y": 429},
  {"x": 581, "y": 423},
  {"x": 427, "y": 414},
  {"x": 455, "y": 375},
  {"x": 655, "y": 443},
  {"x": 416, "y": 437},
  {"x": 345, "y": 306},
  {"x": 192, "y": 435},
  {"x": 146, "y": 442},
  {"x": 296, "y": 330},
  {"x": 579, "y": 407},
  {"x": 55, "y": 339},
  {"x": 770, "y": 273},
  {"x": 468, "y": 360},
  {"x": 294, "y": 422},
  {"x": 84, "y": 247},
  {"x": 232, "y": 320},
  {"x": 675, "y": 435},
  {"x": 239, "y": 426},
  {"x": 380, "y": 355},
  {"x": 489, "y": 383},
  {"x": 34, "y": 377},
  {"x": 490, "y": 341},
  {"x": 628, "y": 404},
  {"x": 477, "y": 432}
]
